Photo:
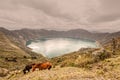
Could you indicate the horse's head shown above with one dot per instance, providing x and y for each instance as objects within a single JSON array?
[{"x": 28, "y": 67}]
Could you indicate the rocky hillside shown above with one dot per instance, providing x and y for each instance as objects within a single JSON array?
[
  {"x": 6, "y": 46},
  {"x": 12, "y": 56}
]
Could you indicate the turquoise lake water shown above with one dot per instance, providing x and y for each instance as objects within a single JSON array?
[{"x": 52, "y": 47}]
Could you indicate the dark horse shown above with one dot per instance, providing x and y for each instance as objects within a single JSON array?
[
  {"x": 42, "y": 66},
  {"x": 27, "y": 68}
]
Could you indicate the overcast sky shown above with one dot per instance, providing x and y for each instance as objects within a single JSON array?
[{"x": 94, "y": 15}]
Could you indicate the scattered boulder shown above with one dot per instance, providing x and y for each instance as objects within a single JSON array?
[
  {"x": 3, "y": 72},
  {"x": 11, "y": 59}
]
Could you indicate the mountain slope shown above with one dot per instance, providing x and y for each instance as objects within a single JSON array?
[
  {"x": 6, "y": 47},
  {"x": 12, "y": 56}
]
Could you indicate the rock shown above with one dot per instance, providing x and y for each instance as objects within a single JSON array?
[{"x": 3, "y": 72}]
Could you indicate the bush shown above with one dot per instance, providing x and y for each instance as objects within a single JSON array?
[
  {"x": 87, "y": 59},
  {"x": 68, "y": 63},
  {"x": 101, "y": 56}
]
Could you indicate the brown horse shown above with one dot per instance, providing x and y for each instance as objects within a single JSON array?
[{"x": 42, "y": 66}]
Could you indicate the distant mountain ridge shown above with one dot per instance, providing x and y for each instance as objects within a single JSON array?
[
  {"x": 28, "y": 34},
  {"x": 24, "y": 35}
]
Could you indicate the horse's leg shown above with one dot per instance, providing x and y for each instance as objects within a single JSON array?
[
  {"x": 28, "y": 70},
  {"x": 49, "y": 67},
  {"x": 39, "y": 68},
  {"x": 24, "y": 71},
  {"x": 33, "y": 68}
]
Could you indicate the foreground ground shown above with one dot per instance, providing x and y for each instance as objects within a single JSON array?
[
  {"x": 109, "y": 69},
  {"x": 66, "y": 73}
]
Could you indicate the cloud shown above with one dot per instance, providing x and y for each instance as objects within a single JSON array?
[
  {"x": 110, "y": 6},
  {"x": 105, "y": 18},
  {"x": 57, "y": 14},
  {"x": 108, "y": 11}
]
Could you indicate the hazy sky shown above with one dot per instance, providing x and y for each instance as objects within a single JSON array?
[{"x": 102, "y": 15}]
